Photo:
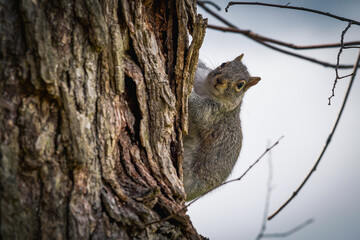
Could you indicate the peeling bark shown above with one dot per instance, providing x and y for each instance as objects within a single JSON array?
[{"x": 93, "y": 107}]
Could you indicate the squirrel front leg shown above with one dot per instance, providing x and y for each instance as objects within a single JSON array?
[{"x": 201, "y": 115}]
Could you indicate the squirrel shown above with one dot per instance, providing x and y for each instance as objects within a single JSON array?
[{"x": 214, "y": 139}]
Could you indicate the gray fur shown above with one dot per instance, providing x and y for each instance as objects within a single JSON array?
[{"x": 214, "y": 141}]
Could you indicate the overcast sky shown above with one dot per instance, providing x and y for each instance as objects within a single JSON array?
[{"x": 290, "y": 100}]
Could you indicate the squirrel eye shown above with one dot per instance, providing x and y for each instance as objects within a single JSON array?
[{"x": 240, "y": 85}]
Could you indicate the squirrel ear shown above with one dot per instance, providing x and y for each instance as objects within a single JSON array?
[
  {"x": 253, "y": 81},
  {"x": 239, "y": 57}
]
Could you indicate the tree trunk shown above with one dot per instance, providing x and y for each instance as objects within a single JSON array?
[{"x": 93, "y": 105}]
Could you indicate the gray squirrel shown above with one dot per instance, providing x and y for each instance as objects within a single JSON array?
[{"x": 214, "y": 141}]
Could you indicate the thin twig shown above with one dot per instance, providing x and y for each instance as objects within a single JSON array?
[
  {"x": 294, "y": 8},
  {"x": 262, "y": 233},
  {"x": 340, "y": 51},
  {"x": 337, "y": 77},
  {"x": 313, "y": 60},
  {"x": 325, "y": 64},
  {"x": 211, "y": 3},
  {"x": 239, "y": 178},
  {"x": 267, "y": 199},
  {"x": 292, "y": 231},
  {"x": 327, "y": 141},
  {"x": 281, "y": 43},
  {"x": 351, "y": 47},
  {"x": 224, "y": 183},
  {"x": 216, "y": 15}
]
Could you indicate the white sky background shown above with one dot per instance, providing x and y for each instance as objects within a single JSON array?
[{"x": 290, "y": 100}]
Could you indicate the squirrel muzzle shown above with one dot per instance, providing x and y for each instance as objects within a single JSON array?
[{"x": 220, "y": 84}]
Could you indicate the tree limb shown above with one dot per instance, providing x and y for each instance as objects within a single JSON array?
[{"x": 281, "y": 43}]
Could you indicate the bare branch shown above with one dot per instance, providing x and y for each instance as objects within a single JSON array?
[
  {"x": 325, "y": 64},
  {"x": 210, "y": 3},
  {"x": 338, "y": 62},
  {"x": 267, "y": 199},
  {"x": 281, "y": 43},
  {"x": 313, "y": 60},
  {"x": 288, "y": 233},
  {"x": 340, "y": 51},
  {"x": 239, "y": 178},
  {"x": 216, "y": 15},
  {"x": 356, "y": 65},
  {"x": 351, "y": 47},
  {"x": 262, "y": 233},
  {"x": 294, "y": 8},
  {"x": 224, "y": 183}
]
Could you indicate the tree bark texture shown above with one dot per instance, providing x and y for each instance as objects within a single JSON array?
[{"x": 93, "y": 106}]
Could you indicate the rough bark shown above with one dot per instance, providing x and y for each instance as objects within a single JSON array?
[{"x": 92, "y": 111}]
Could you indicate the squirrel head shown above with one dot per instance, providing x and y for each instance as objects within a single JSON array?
[{"x": 229, "y": 82}]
